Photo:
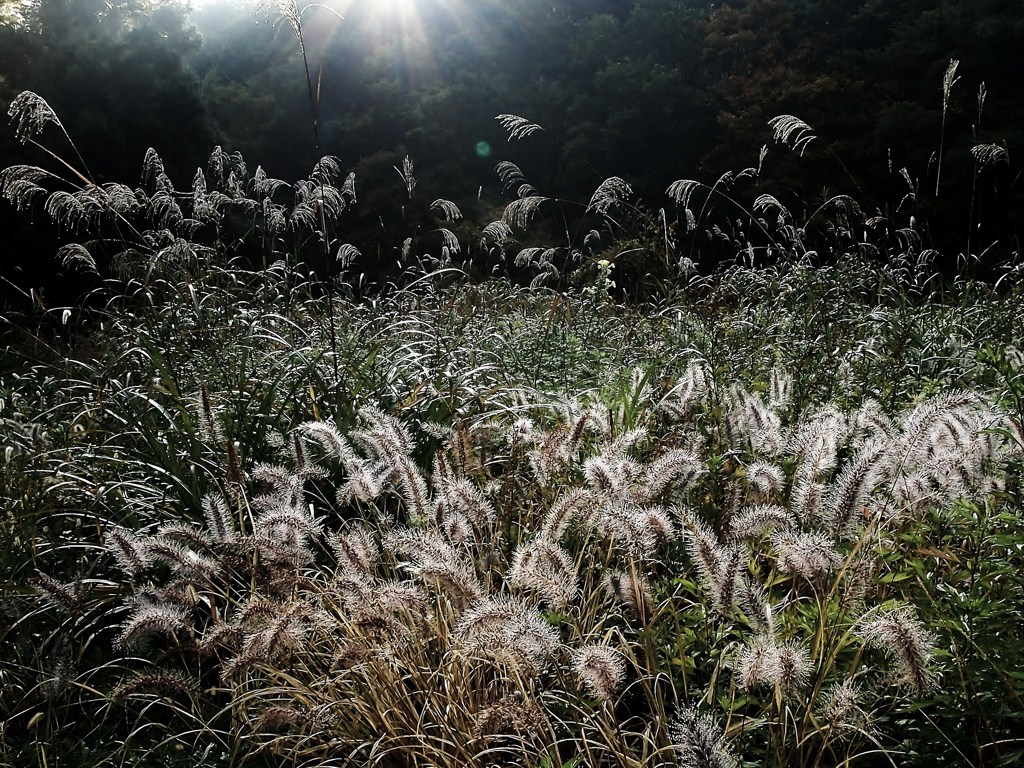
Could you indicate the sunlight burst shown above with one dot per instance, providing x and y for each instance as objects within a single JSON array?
[{"x": 394, "y": 7}]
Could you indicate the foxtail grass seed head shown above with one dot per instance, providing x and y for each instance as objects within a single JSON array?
[
  {"x": 841, "y": 710},
  {"x": 766, "y": 479},
  {"x": 678, "y": 467},
  {"x": 466, "y": 498},
  {"x": 699, "y": 741},
  {"x": 163, "y": 684},
  {"x": 811, "y": 556},
  {"x": 149, "y": 619},
  {"x": 845, "y": 506},
  {"x": 904, "y": 639},
  {"x": 508, "y": 627},
  {"x": 219, "y": 521},
  {"x": 754, "y": 522},
  {"x": 758, "y": 663},
  {"x": 331, "y": 442},
  {"x": 129, "y": 550},
  {"x": 457, "y": 528},
  {"x": 780, "y": 389},
  {"x": 435, "y": 562},
  {"x": 356, "y": 551},
  {"x": 717, "y": 564},
  {"x": 807, "y": 497},
  {"x": 209, "y": 423},
  {"x": 630, "y": 527},
  {"x": 756, "y": 606},
  {"x": 544, "y": 567},
  {"x": 576, "y": 505},
  {"x": 182, "y": 560},
  {"x": 365, "y": 484},
  {"x": 600, "y": 669},
  {"x": 794, "y": 668},
  {"x": 513, "y": 714}
]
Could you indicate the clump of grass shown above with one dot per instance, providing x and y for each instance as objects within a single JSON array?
[{"x": 771, "y": 517}]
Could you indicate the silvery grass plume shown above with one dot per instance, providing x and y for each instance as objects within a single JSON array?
[
  {"x": 718, "y": 564},
  {"x": 765, "y": 479},
  {"x": 808, "y": 555},
  {"x": 609, "y": 193},
  {"x": 436, "y": 563},
  {"x": 600, "y": 669},
  {"x": 762, "y": 661},
  {"x": 699, "y": 741},
  {"x": 543, "y": 567},
  {"x": 691, "y": 390},
  {"x": 792, "y": 132},
  {"x": 509, "y": 630},
  {"x": 841, "y": 710},
  {"x": 748, "y": 418},
  {"x": 517, "y": 127},
  {"x": 904, "y": 639},
  {"x": 30, "y": 114}
]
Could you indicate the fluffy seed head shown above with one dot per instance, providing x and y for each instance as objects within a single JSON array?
[
  {"x": 810, "y": 556},
  {"x": 753, "y": 522},
  {"x": 600, "y": 670},
  {"x": 794, "y": 668},
  {"x": 765, "y": 478},
  {"x": 700, "y": 742},
  {"x": 903, "y": 638},
  {"x": 546, "y": 568},
  {"x": 758, "y": 663}
]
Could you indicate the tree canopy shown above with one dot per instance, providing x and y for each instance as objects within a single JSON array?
[{"x": 650, "y": 90}]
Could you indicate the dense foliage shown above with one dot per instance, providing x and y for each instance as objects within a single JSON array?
[
  {"x": 649, "y": 90},
  {"x": 548, "y": 477}
]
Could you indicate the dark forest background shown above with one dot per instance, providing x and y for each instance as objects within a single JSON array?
[{"x": 650, "y": 90}]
